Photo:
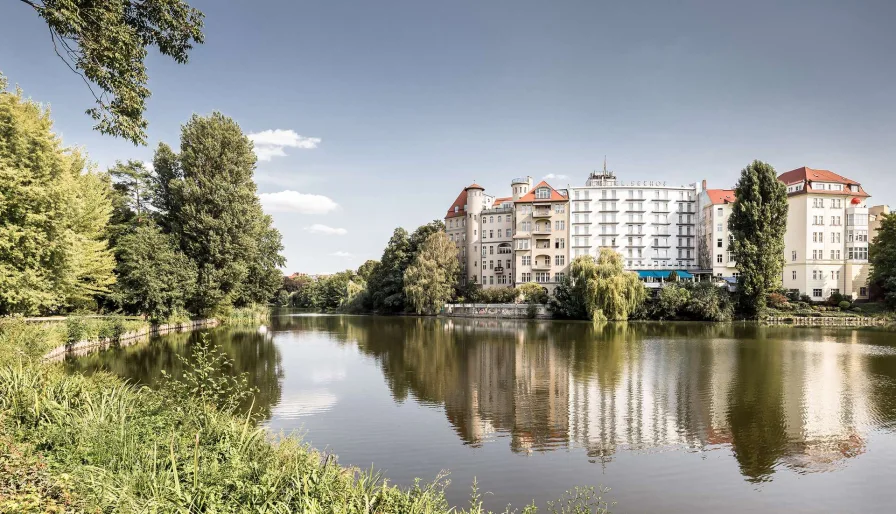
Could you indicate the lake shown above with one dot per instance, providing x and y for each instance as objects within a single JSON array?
[{"x": 673, "y": 417}]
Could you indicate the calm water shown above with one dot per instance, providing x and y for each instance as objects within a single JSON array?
[{"x": 672, "y": 417}]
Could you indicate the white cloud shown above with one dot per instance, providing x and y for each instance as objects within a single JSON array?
[
  {"x": 317, "y": 228},
  {"x": 147, "y": 165},
  {"x": 272, "y": 143},
  {"x": 341, "y": 254},
  {"x": 553, "y": 176},
  {"x": 293, "y": 201}
]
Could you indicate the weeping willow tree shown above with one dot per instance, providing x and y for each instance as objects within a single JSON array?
[
  {"x": 604, "y": 289},
  {"x": 429, "y": 280}
]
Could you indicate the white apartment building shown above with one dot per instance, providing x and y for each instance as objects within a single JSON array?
[
  {"x": 496, "y": 224},
  {"x": 714, "y": 252},
  {"x": 651, "y": 224},
  {"x": 541, "y": 233},
  {"x": 826, "y": 243}
]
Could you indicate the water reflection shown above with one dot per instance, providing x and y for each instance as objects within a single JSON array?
[
  {"x": 807, "y": 400},
  {"x": 252, "y": 352},
  {"x": 804, "y": 399}
]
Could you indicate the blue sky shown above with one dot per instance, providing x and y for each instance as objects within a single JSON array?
[{"x": 394, "y": 107}]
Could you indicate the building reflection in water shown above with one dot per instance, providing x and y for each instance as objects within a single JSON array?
[{"x": 804, "y": 399}]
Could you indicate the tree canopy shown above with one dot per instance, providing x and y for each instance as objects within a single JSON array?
[
  {"x": 429, "y": 280},
  {"x": 599, "y": 289},
  {"x": 53, "y": 215},
  {"x": 106, "y": 42},
  {"x": 882, "y": 256},
  {"x": 757, "y": 223}
]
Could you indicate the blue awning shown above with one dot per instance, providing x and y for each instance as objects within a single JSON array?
[{"x": 664, "y": 275}]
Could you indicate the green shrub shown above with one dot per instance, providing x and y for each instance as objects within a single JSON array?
[
  {"x": 532, "y": 311},
  {"x": 76, "y": 329},
  {"x": 844, "y": 305}
]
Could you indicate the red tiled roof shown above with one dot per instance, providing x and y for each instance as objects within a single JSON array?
[
  {"x": 475, "y": 186},
  {"x": 499, "y": 201},
  {"x": 720, "y": 196},
  {"x": 530, "y": 196},
  {"x": 460, "y": 202},
  {"x": 808, "y": 174}
]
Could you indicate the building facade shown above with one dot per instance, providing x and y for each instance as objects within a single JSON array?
[
  {"x": 651, "y": 224},
  {"x": 714, "y": 240},
  {"x": 826, "y": 242},
  {"x": 541, "y": 235}
]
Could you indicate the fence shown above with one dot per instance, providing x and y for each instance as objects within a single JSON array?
[{"x": 497, "y": 310}]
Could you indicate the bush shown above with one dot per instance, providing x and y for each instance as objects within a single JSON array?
[
  {"x": 844, "y": 305},
  {"x": 672, "y": 299},
  {"x": 76, "y": 329},
  {"x": 533, "y": 293},
  {"x": 804, "y": 298},
  {"x": 532, "y": 311},
  {"x": 776, "y": 300},
  {"x": 496, "y": 295}
]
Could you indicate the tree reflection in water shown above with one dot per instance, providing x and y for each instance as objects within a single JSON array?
[{"x": 801, "y": 398}]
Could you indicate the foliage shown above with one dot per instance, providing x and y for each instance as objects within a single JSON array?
[
  {"x": 131, "y": 188},
  {"x": 53, "y": 214},
  {"x": 154, "y": 277},
  {"x": 206, "y": 378},
  {"x": 533, "y": 293},
  {"x": 777, "y": 300},
  {"x": 210, "y": 205},
  {"x": 429, "y": 280},
  {"x": 106, "y": 41},
  {"x": 255, "y": 314},
  {"x": 882, "y": 257},
  {"x": 671, "y": 300},
  {"x": 386, "y": 282},
  {"x": 566, "y": 303},
  {"x": 709, "y": 303},
  {"x": 111, "y": 447},
  {"x": 496, "y": 294},
  {"x": 600, "y": 289},
  {"x": 757, "y": 224},
  {"x": 844, "y": 305}
]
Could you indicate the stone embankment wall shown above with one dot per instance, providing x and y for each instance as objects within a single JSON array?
[
  {"x": 829, "y": 321},
  {"x": 495, "y": 310},
  {"x": 127, "y": 339}
]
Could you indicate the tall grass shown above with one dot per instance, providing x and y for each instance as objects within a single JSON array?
[
  {"x": 97, "y": 444},
  {"x": 256, "y": 314}
]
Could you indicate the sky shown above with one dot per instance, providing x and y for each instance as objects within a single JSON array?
[{"x": 372, "y": 115}]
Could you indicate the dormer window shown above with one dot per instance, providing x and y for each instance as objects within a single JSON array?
[
  {"x": 854, "y": 188},
  {"x": 542, "y": 193},
  {"x": 456, "y": 208}
]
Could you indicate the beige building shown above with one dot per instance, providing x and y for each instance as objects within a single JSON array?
[
  {"x": 541, "y": 234},
  {"x": 875, "y": 217},
  {"x": 826, "y": 243},
  {"x": 481, "y": 227},
  {"x": 714, "y": 252}
]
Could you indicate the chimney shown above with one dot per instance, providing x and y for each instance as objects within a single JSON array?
[{"x": 704, "y": 184}]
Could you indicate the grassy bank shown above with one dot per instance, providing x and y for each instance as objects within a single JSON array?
[{"x": 72, "y": 443}]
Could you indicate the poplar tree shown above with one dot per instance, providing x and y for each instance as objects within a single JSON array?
[
  {"x": 53, "y": 214},
  {"x": 429, "y": 280},
  {"x": 757, "y": 223}
]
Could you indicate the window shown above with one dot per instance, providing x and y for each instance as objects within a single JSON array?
[
  {"x": 793, "y": 256},
  {"x": 817, "y": 254},
  {"x": 794, "y": 275},
  {"x": 491, "y": 264},
  {"x": 863, "y": 291},
  {"x": 835, "y": 291},
  {"x": 835, "y": 221},
  {"x": 560, "y": 225},
  {"x": 559, "y": 260},
  {"x": 719, "y": 243},
  {"x": 835, "y": 254},
  {"x": 560, "y": 242},
  {"x": 718, "y": 257},
  {"x": 542, "y": 277},
  {"x": 835, "y": 237},
  {"x": 499, "y": 232},
  {"x": 720, "y": 211},
  {"x": 857, "y": 253},
  {"x": 559, "y": 277},
  {"x": 559, "y": 208},
  {"x": 719, "y": 227},
  {"x": 527, "y": 260},
  {"x": 542, "y": 193},
  {"x": 491, "y": 234},
  {"x": 835, "y": 275},
  {"x": 491, "y": 219},
  {"x": 816, "y": 293},
  {"x": 526, "y": 277}
]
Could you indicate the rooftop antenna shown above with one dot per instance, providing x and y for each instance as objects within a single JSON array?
[{"x": 605, "y": 164}]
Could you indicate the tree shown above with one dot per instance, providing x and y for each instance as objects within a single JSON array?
[
  {"x": 366, "y": 270},
  {"x": 882, "y": 256},
  {"x": 708, "y": 302},
  {"x": 387, "y": 281},
  {"x": 429, "y": 280},
  {"x": 154, "y": 277},
  {"x": 419, "y": 237},
  {"x": 53, "y": 215},
  {"x": 600, "y": 289},
  {"x": 209, "y": 203},
  {"x": 533, "y": 293},
  {"x": 106, "y": 41},
  {"x": 757, "y": 223},
  {"x": 671, "y": 300}
]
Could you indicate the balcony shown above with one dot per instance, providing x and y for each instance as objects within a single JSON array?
[
  {"x": 541, "y": 266},
  {"x": 541, "y": 213},
  {"x": 499, "y": 270},
  {"x": 542, "y": 231},
  {"x": 636, "y": 222}
]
